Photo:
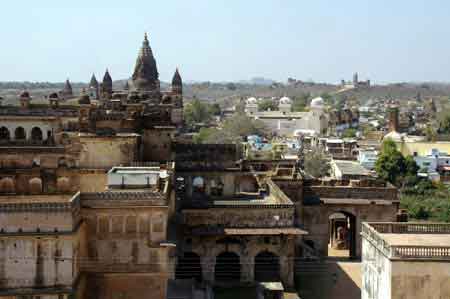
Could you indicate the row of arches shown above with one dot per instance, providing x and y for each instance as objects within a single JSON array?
[
  {"x": 21, "y": 134},
  {"x": 8, "y": 185},
  {"x": 228, "y": 267}
]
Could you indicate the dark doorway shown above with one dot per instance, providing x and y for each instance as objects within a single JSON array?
[
  {"x": 267, "y": 267},
  {"x": 4, "y": 133},
  {"x": 36, "y": 134},
  {"x": 189, "y": 266},
  {"x": 342, "y": 235},
  {"x": 228, "y": 267},
  {"x": 19, "y": 134}
]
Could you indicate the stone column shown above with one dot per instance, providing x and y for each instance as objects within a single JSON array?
[
  {"x": 287, "y": 264},
  {"x": 208, "y": 264},
  {"x": 247, "y": 269}
]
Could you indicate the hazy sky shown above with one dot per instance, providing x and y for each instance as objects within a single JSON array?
[{"x": 221, "y": 40}]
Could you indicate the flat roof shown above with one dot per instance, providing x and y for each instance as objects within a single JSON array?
[
  {"x": 432, "y": 240},
  {"x": 20, "y": 199},
  {"x": 350, "y": 167}
]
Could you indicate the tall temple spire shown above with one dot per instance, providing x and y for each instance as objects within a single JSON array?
[
  {"x": 145, "y": 76},
  {"x": 107, "y": 87},
  {"x": 177, "y": 82},
  {"x": 93, "y": 83}
]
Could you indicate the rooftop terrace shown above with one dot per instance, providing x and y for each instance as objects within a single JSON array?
[{"x": 410, "y": 241}]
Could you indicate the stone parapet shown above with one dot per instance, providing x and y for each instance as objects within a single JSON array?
[{"x": 372, "y": 233}]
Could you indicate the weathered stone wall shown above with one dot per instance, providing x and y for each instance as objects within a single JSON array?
[
  {"x": 420, "y": 279},
  {"x": 106, "y": 152},
  {"x": 206, "y": 156},
  {"x": 157, "y": 144},
  {"x": 38, "y": 261},
  {"x": 92, "y": 180},
  {"x": 34, "y": 221},
  {"x": 240, "y": 217},
  {"x": 126, "y": 239}
]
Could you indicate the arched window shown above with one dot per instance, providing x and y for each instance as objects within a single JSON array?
[
  {"x": 20, "y": 134},
  {"x": 4, "y": 133},
  {"x": 36, "y": 134}
]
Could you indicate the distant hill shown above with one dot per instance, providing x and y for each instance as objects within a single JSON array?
[{"x": 228, "y": 93}]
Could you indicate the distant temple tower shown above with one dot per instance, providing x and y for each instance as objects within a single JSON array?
[
  {"x": 145, "y": 76},
  {"x": 107, "y": 86},
  {"x": 67, "y": 91},
  {"x": 355, "y": 79},
  {"x": 94, "y": 88},
  {"x": 177, "y": 83},
  {"x": 393, "y": 118}
]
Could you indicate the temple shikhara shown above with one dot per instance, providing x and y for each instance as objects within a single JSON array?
[{"x": 100, "y": 197}]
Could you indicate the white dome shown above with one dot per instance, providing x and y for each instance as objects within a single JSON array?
[
  {"x": 285, "y": 100},
  {"x": 252, "y": 100},
  {"x": 317, "y": 103}
]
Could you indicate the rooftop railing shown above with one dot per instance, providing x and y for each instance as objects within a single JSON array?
[{"x": 372, "y": 231}]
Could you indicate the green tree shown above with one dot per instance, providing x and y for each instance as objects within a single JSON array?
[
  {"x": 317, "y": 164},
  {"x": 445, "y": 125},
  {"x": 267, "y": 105},
  {"x": 234, "y": 130},
  {"x": 392, "y": 166},
  {"x": 299, "y": 103},
  {"x": 196, "y": 112},
  {"x": 349, "y": 133},
  {"x": 214, "y": 109}
]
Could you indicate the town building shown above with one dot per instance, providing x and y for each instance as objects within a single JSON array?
[
  {"x": 405, "y": 260},
  {"x": 284, "y": 122}
]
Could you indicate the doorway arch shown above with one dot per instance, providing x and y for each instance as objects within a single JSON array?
[
  {"x": 189, "y": 266},
  {"x": 36, "y": 134},
  {"x": 4, "y": 133},
  {"x": 342, "y": 234},
  {"x": 228, "y": 267},
  {"x": 267, "y": 267}
]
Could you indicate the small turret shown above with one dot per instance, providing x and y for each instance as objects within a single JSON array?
[
  {"x": 107, "y": 86},
  {"x": 94, "y": 87},
  {"x": 177, "y": 83}
]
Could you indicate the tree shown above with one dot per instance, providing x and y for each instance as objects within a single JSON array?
[
  {"x": 317, "y": 164},
  {"x": 445, "y": 125},
  {"x": 197, "y": 112},
  {"x": 267, "y": 105},
  {"x": 349, "y": 133},
  {"x": 214, "y": 109},
  {"x": 233, "y": 130},
  {"x": 301, "y": 102},
  {"x": 392, "y": 166}
]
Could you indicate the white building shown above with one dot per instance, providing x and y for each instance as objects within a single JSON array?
[
  {"x": 405, "y": 260},
  {"x": 367, "y": 158},
  {"x": 284, "y": 122}
]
